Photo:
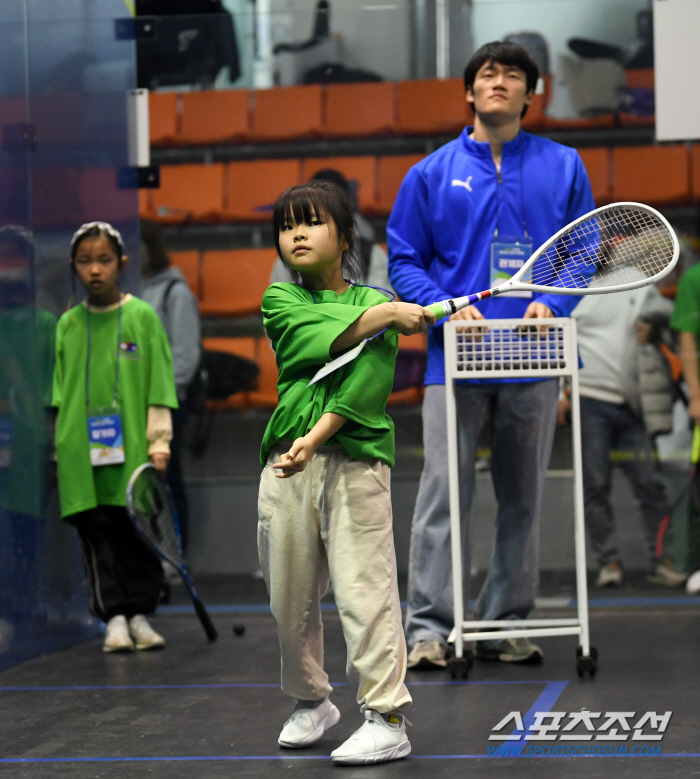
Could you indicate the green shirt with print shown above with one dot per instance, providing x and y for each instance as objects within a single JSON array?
[
  {"x": 145, "y": 379},
  {"x": 302, "y": 326},
  {"x": 686, "y": 312}
]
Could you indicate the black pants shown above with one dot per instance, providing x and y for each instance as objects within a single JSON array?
[
  {"x": 124, "y": 576},
  {"x": 174, "y": 473}
]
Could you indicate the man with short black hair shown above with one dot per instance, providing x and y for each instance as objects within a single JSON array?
[{"x": 460, "y": 217}]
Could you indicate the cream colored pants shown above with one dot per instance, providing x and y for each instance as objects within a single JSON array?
[{"x": 332, "y": 522}]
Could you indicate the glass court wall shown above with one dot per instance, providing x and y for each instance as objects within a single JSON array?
[{"x": 63, "y": 133}]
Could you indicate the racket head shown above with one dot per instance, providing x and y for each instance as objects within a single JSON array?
[
  {"x": 613, "y": 248},
  {"x": 150, "y": 505}
]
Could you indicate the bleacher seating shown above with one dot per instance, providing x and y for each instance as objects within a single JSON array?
[
  {"x": 657, "y": 175},
  {"x": 187, "y": 193},
  {"x": 392, "y": 171},
  {"x": 252, "y": 187},
  {"x": 163, "y": 111},
  {"x": 597, "y": 164},
  {"x": 214, "y": 117},
  {"x": 431, "y": 105},
  {"x": 189, "y": 263},
  {"x": 288, "y": 113},
  {"x": 356, "y": 110},
  {"x": 233, "y": 281}
]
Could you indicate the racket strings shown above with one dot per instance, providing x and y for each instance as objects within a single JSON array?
[
  {"x": 611, "y": 248},
  {"x": 150, "y": 505}
]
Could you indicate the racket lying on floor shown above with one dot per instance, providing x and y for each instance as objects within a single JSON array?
[
  {"x": 614, "y": 248},
  {"x": 150, "y": 505}
]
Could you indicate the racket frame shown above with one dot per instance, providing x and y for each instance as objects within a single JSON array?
[
  {"x": 451, "y": 306},
  {"x": 199, "y": 607}
]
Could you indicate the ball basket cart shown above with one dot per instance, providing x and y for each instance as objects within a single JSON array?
[{"x": 510, "y": 349}]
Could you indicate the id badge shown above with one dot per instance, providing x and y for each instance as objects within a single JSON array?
[
  {"x": 5, "y": 441},
  {"x": 105, "y": 434},
  {"x": 507, "y": 258}
]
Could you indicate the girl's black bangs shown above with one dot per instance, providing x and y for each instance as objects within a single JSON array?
[{"x": 300, "y": 206}]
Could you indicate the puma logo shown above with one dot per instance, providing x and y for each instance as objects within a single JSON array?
[{"x": 466, "y": 184}]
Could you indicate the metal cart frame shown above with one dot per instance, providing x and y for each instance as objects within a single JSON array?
[{"x": 509, "y": 348}]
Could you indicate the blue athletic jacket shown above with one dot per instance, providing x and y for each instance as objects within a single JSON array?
[{"x": 445, "y": 215}]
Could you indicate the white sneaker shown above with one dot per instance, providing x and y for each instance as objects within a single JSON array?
[
  {"x": 143, "y": 634},
  {"x": 692, "y": 586},
  {"x": 377, "y": 741},
  {"x": 117, "y": 638},
  {"x": 427, "y": 653},
  {"x": 610, "y": 575},
  {"x": 307, "y": 724}
]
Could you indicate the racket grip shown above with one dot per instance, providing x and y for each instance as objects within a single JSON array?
[
  {"x": 438, "y": 309},
  {"x": 207, "y": 624}
]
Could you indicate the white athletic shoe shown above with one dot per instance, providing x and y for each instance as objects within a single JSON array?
[
  {"x": 307, "y": 724},
  {"x": 692, "y": 586},
  {"x": 117, "y": 638},
  {"x": 143, "y": 634},
  {"x": 377, "y": 741}
]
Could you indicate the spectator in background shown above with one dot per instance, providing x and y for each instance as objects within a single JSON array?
[
  {"x": 166, "y": 289},
  {"x": 686, "y": 319},
  {"x": 459, "y": 216},
  {"x": 373, "y": 259},
  {"x": 627, "y": 397}
]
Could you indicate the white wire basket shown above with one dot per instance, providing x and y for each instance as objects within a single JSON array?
[{"x": 502, "y": 349}]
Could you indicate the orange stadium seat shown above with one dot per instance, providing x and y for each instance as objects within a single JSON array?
[
  {"x": 431, "y": 105},
  {"x": 233, "y": 281},
  {"x": 417, "y": 342},
  {"x": 189, "y": 264},
  {"x": 657, "y": 175},
  {"x": 695, "y": 170},
  {"x": 640, "y": 77},
  {"x": 635, "y": 78},
  {"x": 287, "y": 113},
  {"x": 265, "y": 393},
  {"x": 253, "y": 187},
  {"x": 188, "y": 193},
  {"x": 602, "y": 122},
  {"x": 359, "y": 169},
  {"x": 597, "y": 164},
  {"x": 215, "y": 116},
  {"x": 360, "y": 109},
  {"x": 392, "y": 172},
  {"x": 163, "y": 118}
]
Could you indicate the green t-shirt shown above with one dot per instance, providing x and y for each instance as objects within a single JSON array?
[
  {"x": 27, "y": 336},
  {"x": 145, "y": 379},
  {"x": 686, "y": 313},
  {"x": 302, "y": 332}
]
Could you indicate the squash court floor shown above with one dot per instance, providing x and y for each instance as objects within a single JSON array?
[{"x": 215, "y": 710}]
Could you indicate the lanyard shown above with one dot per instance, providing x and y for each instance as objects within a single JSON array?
[
  {"x": 89, "y": 351},
  {"x": 499, "y": 184},
  {"x": 368, "y": 286}
]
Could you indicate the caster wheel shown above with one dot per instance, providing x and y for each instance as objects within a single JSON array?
[
  {"x": 239, "y": 630},
  {"x": 460, "y": 666},
  {"x": 586, "y": 664}
]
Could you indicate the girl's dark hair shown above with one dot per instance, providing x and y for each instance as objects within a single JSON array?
[
  {"x": 152, "y": 236},
  {"x": 93, "y": 230},
  {"x": 502, "y": 53},
  {"x": 325, "y": 200}
]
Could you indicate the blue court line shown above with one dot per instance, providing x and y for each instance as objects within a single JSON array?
[
  {"x": 545, "y": 702},
  {"x": 246, "y": 685},
  {"x": 605, "y": 603},
  {"x": 210, "y": 758}
]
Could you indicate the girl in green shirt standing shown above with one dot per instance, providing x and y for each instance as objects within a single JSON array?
[
  {"x": 113, "y": 388},
  {"x": 324, "y": 503}
]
